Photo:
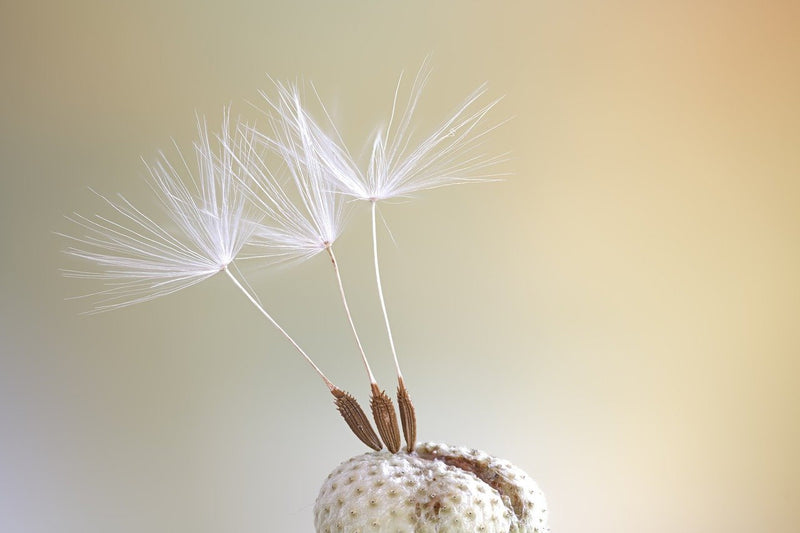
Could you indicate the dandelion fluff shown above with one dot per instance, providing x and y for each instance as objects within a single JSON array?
[{"x": 139, "y": 257}]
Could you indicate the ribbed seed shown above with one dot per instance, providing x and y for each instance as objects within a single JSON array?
[
  {"x": 408, "y": 415},
  {"x": 356, "y": 418},
  {"x": 385, "y": 418}
]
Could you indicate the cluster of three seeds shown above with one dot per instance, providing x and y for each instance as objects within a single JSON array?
[{"x": 384, "y": 415}]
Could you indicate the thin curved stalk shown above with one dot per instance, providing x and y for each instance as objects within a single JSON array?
[
  {"x": 381, "y": 404},
  {"x": 346, "y": 404},
  {"x": 380, "y": 291},
  {"x": 349, "y": 316},
  {"x": 408, "y": 416},
  {"x": 263, "y": 311}
]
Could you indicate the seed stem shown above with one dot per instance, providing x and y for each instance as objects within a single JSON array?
[
  {"x": 408, "y": 416},
  {"x": 329, "y": 248},
  {"x": 380, "y": 290},
  {"x": 263, "y": 311},
  {"x": 346, "y": 404}
]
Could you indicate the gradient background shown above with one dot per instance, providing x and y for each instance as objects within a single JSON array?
[{"x": 620, "y": 318}]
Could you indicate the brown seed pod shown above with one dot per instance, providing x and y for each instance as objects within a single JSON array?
[
  {"x": 385, "y": 418},
  {"x": 354, "y": 416},
  {"x": 408, "y": 416}
]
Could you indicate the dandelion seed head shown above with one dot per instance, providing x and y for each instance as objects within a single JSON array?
[
  {"x": 140, "y": 257},
  {"x": 303, "y": 213},
  {"x": 397, "y": 165}
]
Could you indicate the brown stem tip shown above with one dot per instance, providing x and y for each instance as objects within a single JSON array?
[
  {"x": 408, "y": 415},
  {"x": 354, "y": 416},
  {"x": 385, "y": 418}
]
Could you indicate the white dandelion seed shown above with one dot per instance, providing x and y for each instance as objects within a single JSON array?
[
  {"x": 210, "y": 220},
  {"x": 301, "y": 217},
  {"x": 140, "y": 259},
  {"x": 397, "y": 167},
  {"x": 305, "y": 217}
]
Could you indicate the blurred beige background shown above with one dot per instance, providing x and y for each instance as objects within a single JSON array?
[{"x": 620, "y": 318}]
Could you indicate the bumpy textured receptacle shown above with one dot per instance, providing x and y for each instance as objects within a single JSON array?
[{"x": 435, "y": 489}]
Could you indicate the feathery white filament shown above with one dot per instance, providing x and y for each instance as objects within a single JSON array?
[
  {"x": 140, "y": 259},
  {"x": 304, "y": 219},
  {"x": 450, "y": 155}
]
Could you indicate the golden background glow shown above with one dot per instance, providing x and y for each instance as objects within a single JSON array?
[{"x": 619, "y": 318}]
